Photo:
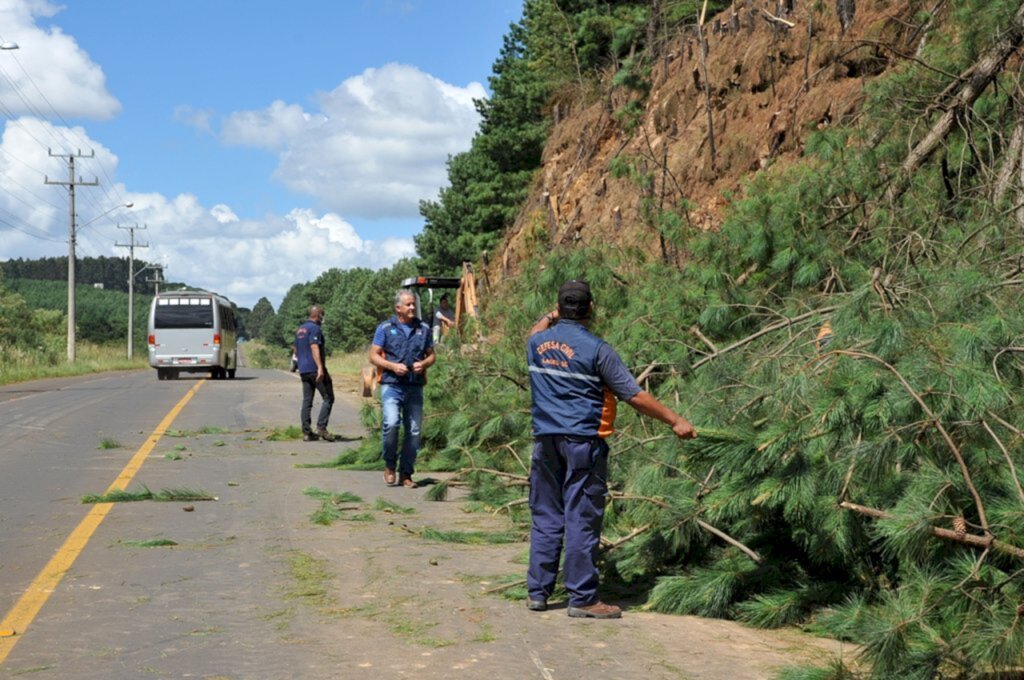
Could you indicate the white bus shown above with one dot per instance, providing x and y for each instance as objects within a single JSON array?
[{"x": 192, "y": 331}]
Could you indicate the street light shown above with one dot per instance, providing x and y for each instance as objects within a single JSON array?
[
  {"x": 71, "y": 270},
  {"x": 8, "y": 45}
]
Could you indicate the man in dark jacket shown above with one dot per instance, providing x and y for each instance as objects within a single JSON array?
[
  {"x": 311, "y": 356},
  {"x": 402, "y": 350},
  {"x": 575, "y": 378}
]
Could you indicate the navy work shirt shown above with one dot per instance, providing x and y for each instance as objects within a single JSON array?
[
  {"x": 403, "y": 344},
  {"x": 306, "y": 335}
]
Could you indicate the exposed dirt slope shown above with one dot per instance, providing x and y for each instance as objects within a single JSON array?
[{"x": 771, "y": 86}]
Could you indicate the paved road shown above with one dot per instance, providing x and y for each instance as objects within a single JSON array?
[
  {"x": 122, "y": 609},
  {"x": 254, "y": 589}
]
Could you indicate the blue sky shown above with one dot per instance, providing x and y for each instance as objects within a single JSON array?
[{"x": 261, "y": 142}]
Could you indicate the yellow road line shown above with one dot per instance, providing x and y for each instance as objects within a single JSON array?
[{"x": 28, "y": 606}]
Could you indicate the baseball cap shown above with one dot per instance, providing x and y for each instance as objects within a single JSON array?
[{"x": 574, "y": 299}]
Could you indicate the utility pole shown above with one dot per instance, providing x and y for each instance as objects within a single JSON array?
[
  {"x": 158, "y": 278},
  {"x": 131, "y": 246},
  {"x": 71, "y": 184}
]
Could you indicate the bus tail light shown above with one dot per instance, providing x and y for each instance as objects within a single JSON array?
[
  {"x": 152, "y": 339},
  {"x": 216, "y": 338}
]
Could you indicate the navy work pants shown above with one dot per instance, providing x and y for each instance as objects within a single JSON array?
[
  {"x": 568, "y": 485},
  {"x": 326, "y": 389}
]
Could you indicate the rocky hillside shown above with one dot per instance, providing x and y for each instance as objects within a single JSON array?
[{"x": 776, "y": 70}]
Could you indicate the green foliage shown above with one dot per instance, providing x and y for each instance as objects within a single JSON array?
[
  {"x": 331, "y": 503},
  {"x": 354, "y": 302},
  {"x": 260, "y": 318},
  {"x": 145, "y": 494},
  {"x": 910, "y": 407},
  {"x": 109, "y": 272},
  {"x": 101, "y": 315}
]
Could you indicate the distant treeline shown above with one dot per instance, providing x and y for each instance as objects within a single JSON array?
[
  {"x": 112, "y": 272},
  {"x": 101, "y": 315},
  {"x": 354, "y": 302}
]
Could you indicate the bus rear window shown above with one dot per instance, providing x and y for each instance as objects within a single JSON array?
[{"x": 183, "y": 313}]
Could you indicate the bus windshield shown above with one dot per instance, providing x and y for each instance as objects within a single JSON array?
[{"x": 183, "y": 313}]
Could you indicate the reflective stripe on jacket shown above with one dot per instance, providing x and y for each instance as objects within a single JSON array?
[{"x": 569, "y": 396}]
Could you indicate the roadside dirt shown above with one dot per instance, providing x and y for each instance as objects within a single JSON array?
[
  {"x": 252, "y": 588},
  {"x": 401, "y": 606}
]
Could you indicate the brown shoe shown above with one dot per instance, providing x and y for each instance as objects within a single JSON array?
[
  {"x": 325, "y": 435},
  {"x": 598, "y": 610},
  {"x": 406, "y": 481},
  {"x": 389, "y": 476}
]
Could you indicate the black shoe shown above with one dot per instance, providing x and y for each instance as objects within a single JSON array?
[
  {"x": 537, "y": 605},
  {"x": 309, "y": 437}
]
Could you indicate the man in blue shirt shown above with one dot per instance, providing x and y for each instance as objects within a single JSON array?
[
  {"x": 575, "y": 378},
  {"x": 402, "y": 350},
  {"x": 312, "y": 365}
]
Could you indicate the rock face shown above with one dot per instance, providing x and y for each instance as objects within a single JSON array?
[{"x": 777, "y": 70}]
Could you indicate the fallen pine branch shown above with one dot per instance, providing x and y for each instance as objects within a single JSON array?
[{"x": 975, "y": 541}]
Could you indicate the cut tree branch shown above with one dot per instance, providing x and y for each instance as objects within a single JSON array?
[
  {"x": 785, "y": 323},
  {"x": 982, "y": 74}
]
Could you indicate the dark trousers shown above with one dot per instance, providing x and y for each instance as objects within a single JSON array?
[
  {"x": 326, "y": 389},
  {"x": 568, "y": 485}
]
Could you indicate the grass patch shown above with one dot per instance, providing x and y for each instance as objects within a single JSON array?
[
  {"x": 153, "y": 543},
  {"x": 173, "y": 455},
  {"x": 205, "y": 429},
  {"x": 311, "y": 577},
  {"x": 20, "y": 365},
  {"x": 219, "y": 443},
  {"x": 164, "y": 495},
  {"x": 361, "y": 517},
  {"x": 473, "y": 537},
  {"x": 181, "y": 447},
  {"x": 109, "y": 444},
  {"x": 330, "y": 505},
  {"x": 384, "y": 505},
  {"x": 290, "y": 433},
  {"x": 486, "y": 634},
  {"x": 346, "y": 460}
]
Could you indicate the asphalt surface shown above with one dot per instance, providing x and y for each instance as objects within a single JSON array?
[{"x": 251, "y": 587}]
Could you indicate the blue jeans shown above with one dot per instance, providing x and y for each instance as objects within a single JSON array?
[
  {"x": 402, "y": 404},
  {"x": 568, "y": 484}
]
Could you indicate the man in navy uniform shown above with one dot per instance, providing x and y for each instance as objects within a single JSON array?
[
  {"x": 403, "y": 350},
  {"x": 575, "y": 378},
  {"x": 311, "y": 354}
]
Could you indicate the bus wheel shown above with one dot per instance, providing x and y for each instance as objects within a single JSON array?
[
  {"x": 161, "y": 374},
  {"x": 231, "y": 373}
]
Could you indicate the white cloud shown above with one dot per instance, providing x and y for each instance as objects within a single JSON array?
[
  {"x": 223, "y": 214},
  {"x": 377, "y": 146},
  {"x": 63, "y": 77},
  {"x": 248, "y": 260},
  {"x": 199, "y": 119},
  {"x": 210, "y": 247}
]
